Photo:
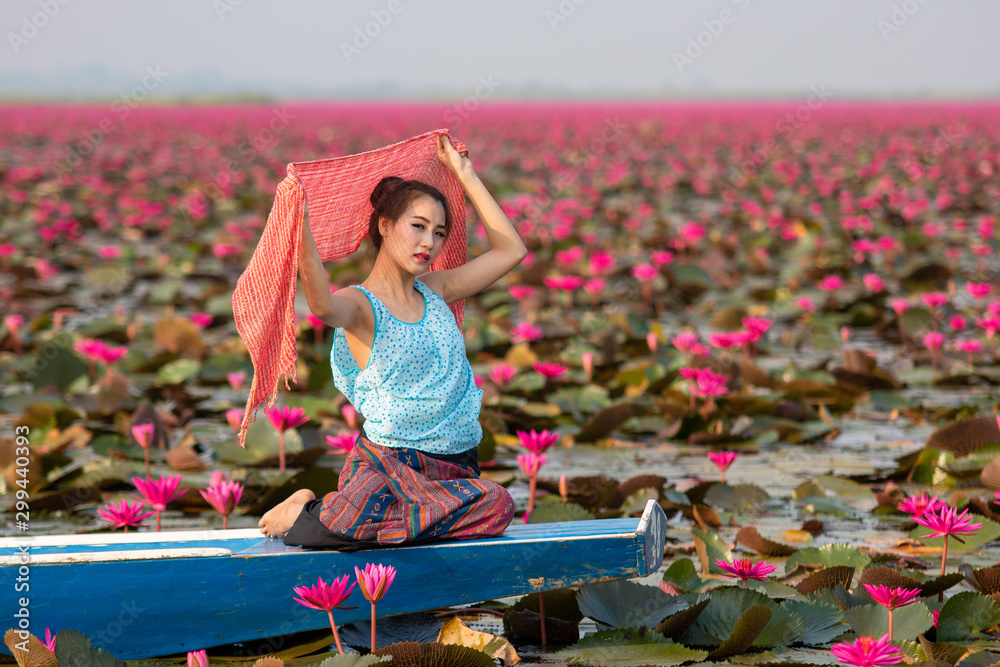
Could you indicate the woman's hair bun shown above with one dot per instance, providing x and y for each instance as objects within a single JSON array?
[{"x": 383, "y": 186}]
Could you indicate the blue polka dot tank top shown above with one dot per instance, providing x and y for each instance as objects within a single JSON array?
[{"x": 418, "y": 389}]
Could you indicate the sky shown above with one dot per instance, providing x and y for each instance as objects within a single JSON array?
[{"x": 502, "y": 49}]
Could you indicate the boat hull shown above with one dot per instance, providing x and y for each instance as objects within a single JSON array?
[{"x": 146, "y": 594}]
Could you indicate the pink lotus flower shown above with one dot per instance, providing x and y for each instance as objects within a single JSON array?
[
  {"x": 723, "y": 460},
  {"x": 892, "y": 598},
  {"x": 691, "y": 232},
  {"x": 645, "y": 272},
  {"x": 723, "y": 340},
  {"x": 89, "y": 348},
  {"x": 947, "y": 523},
  {"x": 537, "y": 442},
  {"x": 109, "y": 251},
  {"x": 236, "y": 379},
  {"x": 234, "y": 417},
  {"x": 525, "y": 331},
  {"x": 501, "y": 374},
  {"x": 594, "y": 286},
  {"x": 957, "y": 322},
  {"x": 201, "y": 320},
  {"x": 285, "y": 418},
  {"x": 125, "y": 514},
  {"x": 601, "y": 262},
  {"x": 197, "y": 658},
  {"x": 549, "y": 369},
  {"x": 661, "y": 257},
  {"x": 933, "y": 340},
  {"x": 744, "y": 568},
  {"x": 831, "y": 283},
  {"x": 936, "y": 613},
  {"x": 159, "y": 492},
  {"x": 978, "y": 290},
  {"x": 327, "y": 597},
  {"x": 867, "y": 652},
  {"x": 757, "y": 326},
  {"x": 343, "y": 443},
  {"x": 143, "y": 434},
  {"x": 807, "y": 304},
  {"x": 531, "y": 463},
  {"x": 708, "y": 384},
  {"x": 899, "y": 306},
  {"x": 873, "y": 282},
  {"x": 919, "y": 505},
  {"x": 350, "y": 415},
  {"x": 684, "y": 340},
  {"x": 109, "y": 354},
  {"x": 375, "y": 581},
  {"x": 653, "y": 341},
  {"x": 223, "y": 495},
  {"x": 521, "y": 292},
  {"x": 934, "y": 299},
  {"x": 587, "y": 361},
  {"x": 570, "y": 256},
  {"x": 50, "y": 641}
]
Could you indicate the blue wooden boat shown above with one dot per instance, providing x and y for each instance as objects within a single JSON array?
[{"x": 147, "y": 594}]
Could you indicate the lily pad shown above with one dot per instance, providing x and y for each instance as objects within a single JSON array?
[
  {"x": 710, "y": 547},
  {"x": 823, "y": 622},
  {"x": 682, "y": 575},
  {"x": 740, "y": 497},
  {"x": 845, "y": 487},
  {"x": 827, "y": 556},
  {"x": 178, "y": 371},
  {"x": 626, "y": 604},
  {"x": 872, "y": 620},
  {"x": 419, "y": 627},
  {"x": 550, "y": 511},
  {"x": 727, "y": 605},
  {"x": 966, "y": 615},
  {"x": 622, "y": 648}
]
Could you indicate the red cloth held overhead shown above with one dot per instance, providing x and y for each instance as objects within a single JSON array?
[{"x": 336, "y": 193}]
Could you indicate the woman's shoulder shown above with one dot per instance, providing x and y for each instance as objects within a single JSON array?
[{"x": 431, "y": 284}]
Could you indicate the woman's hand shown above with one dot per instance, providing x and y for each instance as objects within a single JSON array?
[{"x": 450, "y": 157}]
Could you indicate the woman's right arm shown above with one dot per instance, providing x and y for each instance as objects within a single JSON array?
[{"x": 333, "y": 309}]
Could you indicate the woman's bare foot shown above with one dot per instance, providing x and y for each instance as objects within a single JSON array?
[{"x": 277, "y": 521}]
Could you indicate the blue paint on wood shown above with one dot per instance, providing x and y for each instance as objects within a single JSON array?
[{"x": 156, "y": 607}]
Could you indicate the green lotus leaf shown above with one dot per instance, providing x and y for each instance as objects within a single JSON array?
[
  {"x": 622, "y": 648},
  {"x": 627, "y": 604},
  {"x": 827, "y": 556},
  {"x": 966, "y": 615},
  {"x": 872, "y": 620}
]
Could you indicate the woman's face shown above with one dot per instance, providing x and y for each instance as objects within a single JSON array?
[{"x": 420, "y": 230}]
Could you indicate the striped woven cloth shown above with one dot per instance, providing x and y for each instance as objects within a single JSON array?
[
  {"x": 336, "y": 193},
  {"x": 395, "y": 495}
]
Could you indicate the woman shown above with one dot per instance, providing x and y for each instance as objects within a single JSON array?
[{"x": 400, "y": 359}]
